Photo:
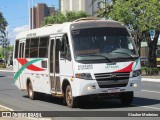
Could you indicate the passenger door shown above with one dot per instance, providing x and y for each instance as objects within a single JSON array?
[
  {"x": 54, "y": 64},
  {"x": 21, "y": 74}
]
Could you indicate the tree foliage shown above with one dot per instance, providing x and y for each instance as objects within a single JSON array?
[
  {"x": 61, "y": 18},
  {"x": 142, "y": 16},
  {"x": 3, "y": 24}
]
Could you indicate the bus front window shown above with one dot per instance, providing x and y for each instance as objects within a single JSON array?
[{"x": 94, "y": 44}]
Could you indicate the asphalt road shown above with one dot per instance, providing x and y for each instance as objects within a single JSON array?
[{"x": 10, "y": 96}]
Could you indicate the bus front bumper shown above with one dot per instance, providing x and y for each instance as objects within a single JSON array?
[{"x": 91, "y": 87}]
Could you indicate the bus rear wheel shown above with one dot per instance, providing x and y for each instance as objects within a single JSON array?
[
  {"x": 71, "y": 101},
  {"x": 126, "y": 98},
  {"x": 31, "y": 94}
]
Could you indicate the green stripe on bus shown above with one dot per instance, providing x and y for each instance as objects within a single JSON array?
[
  {"x": 23, "y": 67},
  {"x": 136, "y": 63}
]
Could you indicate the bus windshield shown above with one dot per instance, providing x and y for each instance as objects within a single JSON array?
[{"x": 103, "y": 45}]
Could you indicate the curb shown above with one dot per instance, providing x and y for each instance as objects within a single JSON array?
[
  {"x": 150, "y": 80},
  {"x": 6, "y": 71}
]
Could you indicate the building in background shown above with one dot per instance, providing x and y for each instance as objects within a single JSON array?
[
  {"x": 78, "y": 5},
  {"x": 39, "y": 12}
]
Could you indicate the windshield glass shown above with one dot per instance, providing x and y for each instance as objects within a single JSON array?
[{"x": 105, "y": 44}]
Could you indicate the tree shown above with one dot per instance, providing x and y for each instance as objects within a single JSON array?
[
  {"x": 3, "y": 25},
  {"x": 61, "y": 18},
  {"x": 54, "y": 19},
  {"x": 143, "y": 16},
  {"x": 104, "y": 8}
]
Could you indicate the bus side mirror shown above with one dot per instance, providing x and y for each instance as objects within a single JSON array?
[{"x": 62, "y": 51}]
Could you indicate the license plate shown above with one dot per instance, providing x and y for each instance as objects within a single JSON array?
[{"x": 113, "y": 90}]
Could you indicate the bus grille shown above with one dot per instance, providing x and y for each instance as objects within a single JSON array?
[{"x": 108, "y": 80}]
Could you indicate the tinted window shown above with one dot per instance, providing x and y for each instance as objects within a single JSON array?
[
  {"x": 34, "y": 48},
  {"x": 43, "y": 52},
  {"x": 34, "y": 42},
  {"x": 37, "y": 47},
  {"x": 27, "y": 53},
  {"x": 20, "y": 50},
  {"x": 16, "y": 49},
  {"x": 51, "y": 56},
  {"x": 34, "y": 52},
  {"x": 27, "y": 43},
  {"x": 57, "y": 55},
  {"x": 100, "y": 43},
  {"x": 43, "y": 47},
  {"x": 44, "y": 42},
  {"x": 99, "y": 32}
]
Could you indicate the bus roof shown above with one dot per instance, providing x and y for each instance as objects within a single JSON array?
[
  {"x": 43, "y": 31},
  {"x": 63, "y": 28}
]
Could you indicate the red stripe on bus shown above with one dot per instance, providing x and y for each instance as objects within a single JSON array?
[
  {"x": 126, "y": 69},
  {"x": 32, "y": 67}
]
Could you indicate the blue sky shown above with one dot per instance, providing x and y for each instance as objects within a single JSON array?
[{"x": 17, "y": 15}]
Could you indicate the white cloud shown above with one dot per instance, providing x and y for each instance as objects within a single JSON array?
[
  {"x": 21, "y": 28},
  {"x": 12, "y": 32}
]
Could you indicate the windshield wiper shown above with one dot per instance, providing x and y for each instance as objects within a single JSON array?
[
  {"x": 126, "y": 54},
  {"x": 101, "y": 56}
]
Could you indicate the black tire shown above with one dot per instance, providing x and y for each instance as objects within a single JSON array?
[
  {"x": 31, "y": 94},
  {"x": 71, "y": 101},
  {"x": 126, "y": 98}
]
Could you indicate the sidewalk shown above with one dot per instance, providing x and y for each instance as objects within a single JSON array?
[
  {"x": 151, "y": 78},
  {"x": 7, "y": 69},
  {"x": 154, "y": 77}
]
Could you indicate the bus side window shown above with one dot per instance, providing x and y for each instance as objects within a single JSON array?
[
  {"x": 34, "y": 47},
  {"x": 65, "y": 49},
  {"x": 27, "y": 48},
  {"x": 43, "y": 47},
  {"x": 16, "y": 49}
]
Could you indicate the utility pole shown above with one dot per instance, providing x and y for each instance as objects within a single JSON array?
[
  {"x": 32, "y": 14},
  {"x": 29, "y": 13}
]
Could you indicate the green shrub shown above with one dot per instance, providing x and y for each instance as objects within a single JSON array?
[{"x": 150, "y": 71}]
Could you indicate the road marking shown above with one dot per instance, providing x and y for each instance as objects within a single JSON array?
[
  {"x": 151, "y": 91},
  {"x": 151, "y": 107},
  {"x": 6, "y": 107},
  {"x": 155, "y": 108},
  {"x": 150, "y": 80}
]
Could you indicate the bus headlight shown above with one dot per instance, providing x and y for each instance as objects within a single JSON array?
[
  {"x": 136, "y": 73},
  {"x": 135, "y": 85},
  {"x": 86, "y": 76}
]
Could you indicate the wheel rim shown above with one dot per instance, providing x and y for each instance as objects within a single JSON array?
[{"x": 69, "y": 97}]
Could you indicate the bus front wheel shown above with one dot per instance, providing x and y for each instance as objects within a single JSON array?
[
  {"x": 71, "y": 101},
  {"x": 126, "y": 97}
]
